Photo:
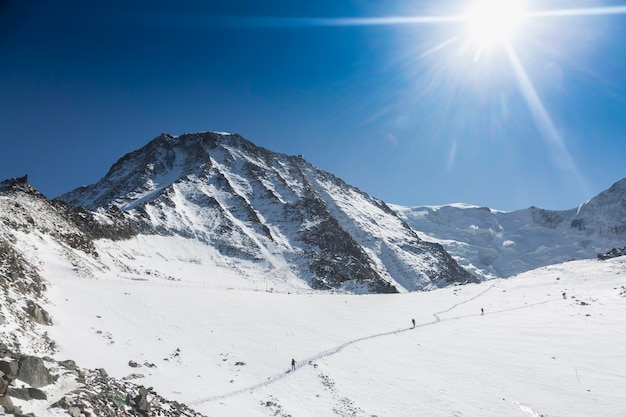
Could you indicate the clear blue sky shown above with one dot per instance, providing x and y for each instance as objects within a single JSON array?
[{"x": 409, "y": 112}]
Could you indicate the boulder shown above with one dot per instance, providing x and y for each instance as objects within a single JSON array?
[
  {"x": 74, "y": 411},
  {"x": 69, "y": 364},
  {"x": 7, "y": 405},
  {"x": 37, "y": 394},
  {"x": 27, "y": 394},
  {"x": 9, "y": 369},
  {"x": 141, "y": 400},
  {"x": 37, "y": 313},
  {"x": 4, "y": 386},
  {"x": 33, "y": 371},
  {"x": 64, "y": 403},
  {"x": 19, "y": 393}
]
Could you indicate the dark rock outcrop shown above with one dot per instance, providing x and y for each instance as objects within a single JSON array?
[
  {"x": 9, "y": 369},
  {"x": 613, "y": 253},
  {"x": 33, "y": 371},
  {"x": 37, "y": 313},
  {"x": 27, "y": 394}
]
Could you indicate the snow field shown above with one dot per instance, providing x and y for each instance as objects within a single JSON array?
[{"x": 228, "y": 351}]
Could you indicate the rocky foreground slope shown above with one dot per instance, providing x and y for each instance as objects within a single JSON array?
[{"x": 27, "y": 370}]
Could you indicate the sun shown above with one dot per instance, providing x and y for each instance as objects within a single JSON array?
[{"x": 494, "y": 22}]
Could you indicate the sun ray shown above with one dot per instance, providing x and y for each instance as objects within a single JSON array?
[
  {"x": 514, "y": 13},
  {"x": 411, "y": 20},
  {"x": 591, "y": 11},
  {"x": 344, "y": 21},
  {"x": 541, "y": 116},
  {"x": 538, "y": 111},
  {"x": 439, "y": 47}
]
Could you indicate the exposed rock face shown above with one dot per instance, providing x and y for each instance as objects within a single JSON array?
[
  {"x": 37, "y": 313},
  {"x": 613, "y": 253}
]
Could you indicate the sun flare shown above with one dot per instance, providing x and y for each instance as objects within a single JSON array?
[{"x": 493, "y": 22}]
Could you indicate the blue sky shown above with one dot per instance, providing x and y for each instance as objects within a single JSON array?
[{"x": 409, "y": 112}]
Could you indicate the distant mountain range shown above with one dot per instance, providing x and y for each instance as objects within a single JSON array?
[{"x": 491, "y": 243}]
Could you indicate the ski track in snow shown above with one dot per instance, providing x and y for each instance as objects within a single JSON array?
[
  {"x": 438, "y": 319},
  {"x": 278, "y": 376}
]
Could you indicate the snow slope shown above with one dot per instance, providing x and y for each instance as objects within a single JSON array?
[
  {"x": 492, "y": 243},
  {"x": 226, "y": 349}
]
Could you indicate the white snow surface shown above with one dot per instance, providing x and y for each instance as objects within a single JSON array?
[
  {"x": 491, "y": 243},
  {"x": 223, "y": 343}
]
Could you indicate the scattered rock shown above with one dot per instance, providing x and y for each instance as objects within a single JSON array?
[
  {"x": 64, "y": 403},
  {"x": 68, "y": 364},
  {"x": 104, "y": 396},
  {"x": 74, "y": 411}
]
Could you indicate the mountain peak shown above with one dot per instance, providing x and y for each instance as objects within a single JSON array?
[
  {"x": 259, "y": 206},
  {"x": 19, "y": 184},
  {"x": 619, "y": 187}
]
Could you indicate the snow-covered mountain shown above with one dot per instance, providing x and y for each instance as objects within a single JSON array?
[
  {"x": 494, "y": 243},
  {"x": 267, "y": 213}
]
